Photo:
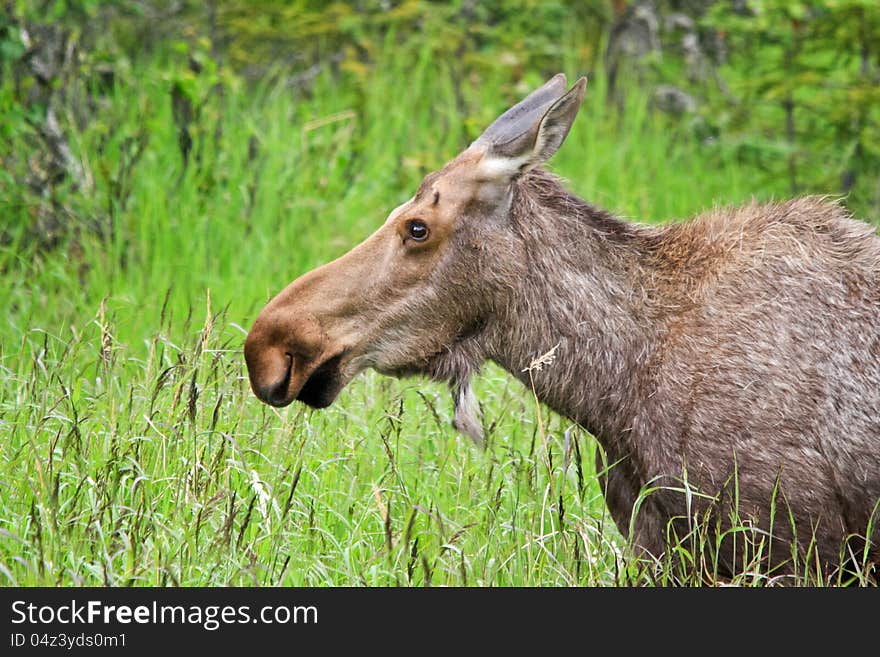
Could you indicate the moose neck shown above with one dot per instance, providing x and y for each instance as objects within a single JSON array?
[{"x": 575, "y": 327}]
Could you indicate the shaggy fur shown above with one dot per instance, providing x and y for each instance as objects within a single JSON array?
[{"x": 740, "y": 349}]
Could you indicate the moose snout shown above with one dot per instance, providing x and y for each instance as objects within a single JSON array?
[
  {"x": 269, "y": 372},
  {"x": 281, "y": 350}
]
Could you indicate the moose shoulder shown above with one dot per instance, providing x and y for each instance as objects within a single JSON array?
[{"x": 735, "y": 355}]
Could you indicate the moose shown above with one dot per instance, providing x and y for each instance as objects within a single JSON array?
[{"x": 730, "y": 363}]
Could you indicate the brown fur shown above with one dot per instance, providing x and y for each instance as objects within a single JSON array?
[{"x": 735, "y": 355}]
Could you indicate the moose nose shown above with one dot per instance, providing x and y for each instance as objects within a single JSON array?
[
  {"x": 269, "y": 370},
  {"x": 277, "y": 393},
  {"x": 280, "y": 351}
]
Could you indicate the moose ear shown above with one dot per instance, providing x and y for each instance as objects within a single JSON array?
[{"x": 529, "y": 133}]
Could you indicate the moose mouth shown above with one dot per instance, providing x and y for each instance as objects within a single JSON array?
[
  {"x": 323, "y": 385},
  {"x": 319, "y": 390}
]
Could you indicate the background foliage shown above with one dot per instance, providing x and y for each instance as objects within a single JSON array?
[{"x": 169, "y": 165}]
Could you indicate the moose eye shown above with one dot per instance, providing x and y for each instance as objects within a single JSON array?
[{"x": 417, "y": 230}]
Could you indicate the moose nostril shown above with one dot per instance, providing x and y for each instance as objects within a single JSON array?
[{"x": 276, "y": 393}]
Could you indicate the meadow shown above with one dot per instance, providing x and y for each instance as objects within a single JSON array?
[{"x": 132, "y": 450}]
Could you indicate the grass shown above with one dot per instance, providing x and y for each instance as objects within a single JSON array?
[{"x": 133, "y": 452}]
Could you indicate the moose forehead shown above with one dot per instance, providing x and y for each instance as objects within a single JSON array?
[
  {"x": 427, "y": 188},
  {"x": 453, "y": 185}
]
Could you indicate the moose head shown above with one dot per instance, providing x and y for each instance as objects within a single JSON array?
[{"x": 414, "y": 297}]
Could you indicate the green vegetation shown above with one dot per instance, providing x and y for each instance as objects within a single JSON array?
[{"x": 132, "y": 450}]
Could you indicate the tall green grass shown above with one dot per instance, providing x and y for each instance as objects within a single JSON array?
[{"x": 132, "y": 451}]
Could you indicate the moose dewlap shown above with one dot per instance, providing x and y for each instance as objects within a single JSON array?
[{"x": 735, "y": 356}]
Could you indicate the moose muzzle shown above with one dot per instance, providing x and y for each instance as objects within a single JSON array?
[{"x": 287, "y": 358}]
